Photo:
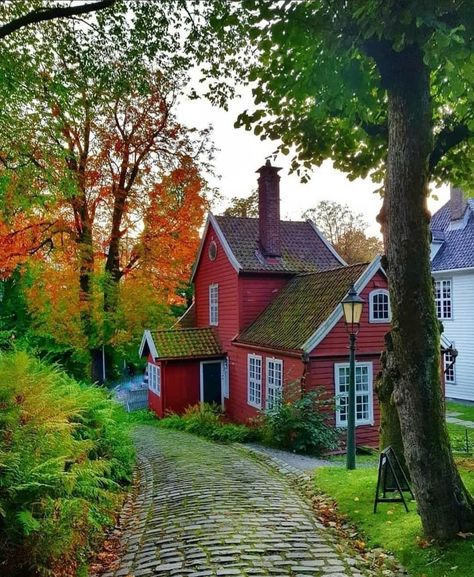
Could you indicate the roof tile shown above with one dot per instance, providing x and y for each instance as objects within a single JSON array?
[
  {"x": 185, "y": 343},
  {"x": 300, "y": 308},
  {"x": 302, "y": 248},
  {"x": 457, "y": 250}
]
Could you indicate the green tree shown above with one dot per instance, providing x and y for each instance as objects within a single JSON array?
[
  {"x": 243, "y": 206},
  {"x": 345, "y": 231},
  {"x": 384, "y": 87}
]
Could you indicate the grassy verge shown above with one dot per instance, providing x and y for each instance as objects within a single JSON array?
[
  {"x": 466, "y": 412},
  {"x": 391, "y": 528}
]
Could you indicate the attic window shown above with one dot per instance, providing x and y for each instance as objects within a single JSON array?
[
  {"x": 379, "y": 303},
  {"x": 212, "y": 250}
]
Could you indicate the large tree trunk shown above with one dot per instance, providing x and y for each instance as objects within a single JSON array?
[
  {"x": 390, "y": 433},
  {"x": 444, "y": 504}
]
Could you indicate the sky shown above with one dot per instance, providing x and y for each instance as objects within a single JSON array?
[{"x": 240, "y": 153}]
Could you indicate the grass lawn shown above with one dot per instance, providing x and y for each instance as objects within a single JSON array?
[
  {"x": 393, "y": 529},
  {"x": 466, "y": 411}
]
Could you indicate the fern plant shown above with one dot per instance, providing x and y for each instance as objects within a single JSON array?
[{"x": 65, "y": 458}]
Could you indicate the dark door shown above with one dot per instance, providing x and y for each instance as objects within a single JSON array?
[{"x": 211, "y": 383}]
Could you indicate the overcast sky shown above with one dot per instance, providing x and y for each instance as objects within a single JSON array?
[{"x": 241, "y": 153}]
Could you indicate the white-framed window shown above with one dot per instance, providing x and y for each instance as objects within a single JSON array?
[
  {"x": 449, "y": 368},
  {"x": 214, "y": 304},
  {"x": 364, "y": 397},
  {"x": 444, "y": 298},
  {"x": 274, "y": 383},
  {"x": 379, "y": 306},
  {"x": 254, "y": 382},
  {"x": 154, "y": 378}
]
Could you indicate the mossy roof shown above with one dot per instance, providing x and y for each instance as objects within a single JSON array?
[
  {"x": 187, "y": 343},
  {"x": 301, "y": 308}
]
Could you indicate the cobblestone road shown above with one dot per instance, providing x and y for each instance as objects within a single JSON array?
[{"x": 203, "y": 509}]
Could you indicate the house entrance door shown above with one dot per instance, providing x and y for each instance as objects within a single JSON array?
[{"x": 211, "y": 382}]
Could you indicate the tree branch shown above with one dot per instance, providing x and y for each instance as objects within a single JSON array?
[
  {"x": 41, "y": 15},
  {"x": 447, "y": 139}
]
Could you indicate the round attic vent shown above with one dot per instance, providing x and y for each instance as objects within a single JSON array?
[{"x": 212, "y": 250}]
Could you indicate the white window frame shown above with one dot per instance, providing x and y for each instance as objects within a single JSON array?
[
  {"x": 214, "y": 304},
  {"x": 271, "y": 384},
  {"x": 154, "y": 378},
  {"x": 372, "y": 295},
  {"x": 254, "y": 384},
  {"x": 442, "y": 300},
  {"x": 446, "y": 363},
  {"x": 370, "y": 394}
]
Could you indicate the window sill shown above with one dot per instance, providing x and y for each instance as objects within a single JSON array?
[{"x": 254, "y": 405}]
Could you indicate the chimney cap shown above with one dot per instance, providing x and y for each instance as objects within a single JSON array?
[{"x": 267, "y": 167}]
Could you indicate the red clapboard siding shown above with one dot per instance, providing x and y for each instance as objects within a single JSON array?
[
  {"x": 155, "y": 402},
  {"x": 321, "y": 374},
  {"x": 222, "y": 273},
  {"x": 334, "y": 349},
  {"x": 182, "y": 385},
  {"x": 256, "y": 292},
  {"x": 371, "y": 335},
  {"x": 236, "y": 406}
]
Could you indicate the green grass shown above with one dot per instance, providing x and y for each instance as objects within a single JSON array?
[
  {"x": 458, "y": 432},
  {"x": 466, "y": 411},
  {"x": 393, "y": 529}
]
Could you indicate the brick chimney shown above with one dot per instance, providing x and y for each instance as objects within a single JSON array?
[
  {"x": 269, "y": 210},
  {"x": 457, "y": 203}
]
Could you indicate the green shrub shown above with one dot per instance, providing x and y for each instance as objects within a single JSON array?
[
  {"x": 206, "y": 421},
  {"x": 300, "y": 424},
  {"x": 65, "y": 456}
]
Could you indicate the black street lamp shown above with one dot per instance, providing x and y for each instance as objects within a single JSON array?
[{"x": 352, "y": 308}]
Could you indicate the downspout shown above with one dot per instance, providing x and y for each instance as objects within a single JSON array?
[{"x": 305, "y": 359}]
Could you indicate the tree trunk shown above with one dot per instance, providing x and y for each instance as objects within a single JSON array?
[
  {"x": 390, "y": 433},
  {"x": 444, "y": 504}
]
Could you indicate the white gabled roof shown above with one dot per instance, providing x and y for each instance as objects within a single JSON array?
[{"x": 147, "y": 339}]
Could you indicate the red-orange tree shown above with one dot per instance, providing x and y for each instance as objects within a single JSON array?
[{"x": 119, "y": 185}]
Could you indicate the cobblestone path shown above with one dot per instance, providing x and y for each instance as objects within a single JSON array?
[{"x": 203, "y": 509}]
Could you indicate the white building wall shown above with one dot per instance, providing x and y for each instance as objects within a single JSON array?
[{"x": 460, "y": 330}]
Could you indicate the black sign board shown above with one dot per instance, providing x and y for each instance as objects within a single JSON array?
[{"x": 391, "y": 480}]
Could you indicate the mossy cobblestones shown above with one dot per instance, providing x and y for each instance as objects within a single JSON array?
[{"x": 202, "y": 509}]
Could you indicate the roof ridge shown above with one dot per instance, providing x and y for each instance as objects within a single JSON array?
[
  {"x": 182, "y": 329},
  {"x": 255, "y": 218},
  {"x": 336, "y": 268}
]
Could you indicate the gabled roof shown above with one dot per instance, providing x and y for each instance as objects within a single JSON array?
[
  {"x": 304, "y": 248},
  {"x": 181, "y": 344},
  {"x": 457, "y": 242},
  {"x": 307, "y": 304}
]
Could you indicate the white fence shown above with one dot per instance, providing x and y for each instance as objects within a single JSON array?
[{"x": 133, "y": 395}]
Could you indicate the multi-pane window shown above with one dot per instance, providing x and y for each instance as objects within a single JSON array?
[
  {"x": 449, "y": 367},
  {"x": 379, "y": 306},
  {"x": 214, "y": 304},
  {"x": 444, "y": 299},
  {"x": 254, "y": 383},
  {"x": 274, "y": 383},
  {"x": 154, "y": 378},
  {"x": 363, "y": 386}
]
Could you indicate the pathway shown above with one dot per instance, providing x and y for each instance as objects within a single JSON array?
[
  {"x": 452, "y": 417},
  {"x": 203, "y": 509}
]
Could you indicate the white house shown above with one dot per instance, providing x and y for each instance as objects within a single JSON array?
[{"x": 452, "y": 263}]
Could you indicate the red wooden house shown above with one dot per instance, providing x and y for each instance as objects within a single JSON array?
[{"x": 266, "y": 314}]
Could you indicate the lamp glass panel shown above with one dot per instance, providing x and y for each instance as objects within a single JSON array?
[{"x": 357, "y": 312}]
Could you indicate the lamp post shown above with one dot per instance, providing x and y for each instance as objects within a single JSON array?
[{"x": 352, "y": 308}]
